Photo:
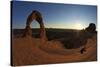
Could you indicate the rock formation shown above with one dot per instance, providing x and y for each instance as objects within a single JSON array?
[
  {"x": 91, "y": 28},
  {"x": 35, "y": 15}
]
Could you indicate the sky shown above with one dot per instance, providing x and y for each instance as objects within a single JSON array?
[{"x": 65, "y": 16}]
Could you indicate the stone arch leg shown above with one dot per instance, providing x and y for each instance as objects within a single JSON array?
[
  {"x": 27, "y": 31},
  {"x": 43, "y": 34}
]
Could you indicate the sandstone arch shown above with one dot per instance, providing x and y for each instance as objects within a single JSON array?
[{"x": 35, "y": 15}]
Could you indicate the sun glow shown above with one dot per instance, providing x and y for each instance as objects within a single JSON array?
[{"x": 78, "y": 26}]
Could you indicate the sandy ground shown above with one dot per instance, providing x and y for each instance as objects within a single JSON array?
[{"x": 27, "y": 51}]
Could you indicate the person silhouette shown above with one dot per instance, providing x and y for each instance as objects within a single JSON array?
[{"x": 83, "y": 50}]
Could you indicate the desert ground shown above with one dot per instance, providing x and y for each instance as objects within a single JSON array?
[{"x": 28, "y": 50}]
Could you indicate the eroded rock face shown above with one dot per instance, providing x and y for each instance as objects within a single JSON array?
[
  {"x": 91, "y": 28},
  {"x": 35, "y": 15}
]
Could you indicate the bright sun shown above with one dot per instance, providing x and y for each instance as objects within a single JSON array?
[{"x": 78, "y": 26}]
